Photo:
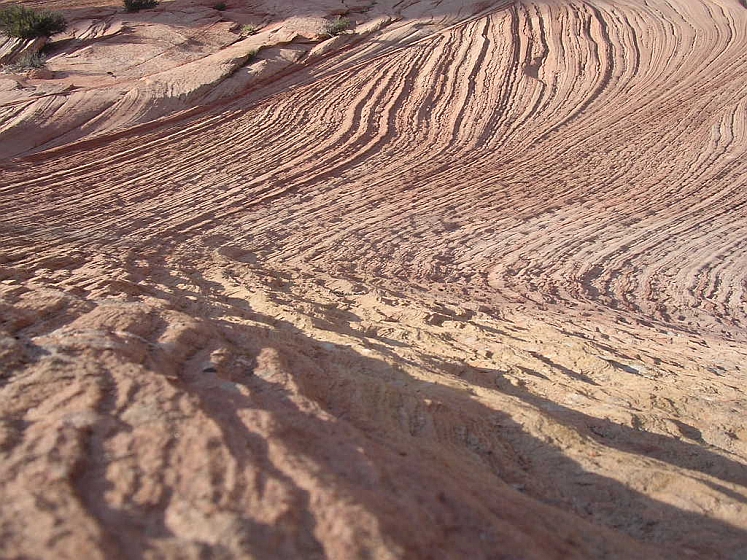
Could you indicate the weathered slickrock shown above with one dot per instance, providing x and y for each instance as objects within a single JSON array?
[
  {"x": 13, "y": 49},
  {"x": 468, "y": 282}
]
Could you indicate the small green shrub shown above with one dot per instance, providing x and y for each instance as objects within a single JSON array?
[
  {"x": 28, "y": 62},
  {"x": 337, "y": 27},
  {"x": 25, "y": 23},
  {"x": 248, "y": 29},
  {"x": 220, "y": 6},
  {"x": 36, "y": 60},
  {"x": 137, "y": 5}
]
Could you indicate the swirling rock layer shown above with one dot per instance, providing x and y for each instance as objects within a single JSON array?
[{"x": 472, "y": 286}]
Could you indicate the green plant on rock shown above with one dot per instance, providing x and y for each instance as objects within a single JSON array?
[
  {"x": 25, "y": 23},
  {"x": 248, "y": 29},
  {"x": 36, "y": 60},
  {"x": 337, "y": 27},
  {"x": 27, "y": 62},
  {"x": 220, "y": 6},
  {"x": 137, "y": 5}
]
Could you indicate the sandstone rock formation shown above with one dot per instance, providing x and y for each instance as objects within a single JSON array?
[
  {"x": 14, "y": 50},
  {"x": 469, "y": 283}
]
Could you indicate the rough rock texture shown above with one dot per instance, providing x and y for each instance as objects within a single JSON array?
[
  {"x": 471, "y": 285},
  {"x": 13, "y": 50}
]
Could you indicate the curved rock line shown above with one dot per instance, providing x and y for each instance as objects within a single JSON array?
[{"x": 505, "y": 258}]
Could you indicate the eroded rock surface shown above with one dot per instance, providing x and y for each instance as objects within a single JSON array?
[{"x": 468, "y": 284}]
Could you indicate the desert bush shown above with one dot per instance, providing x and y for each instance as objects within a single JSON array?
[
  {"x": 25, "y": 23},
  {"x": 26, "y": 62},
  {"x": 36, "y": 60},
  {"x": 248, "y": 29},
  {"x": 137, "y": 5},
  {"x": 337, "y": 27},
  {"x": 220, "y": 6}
]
